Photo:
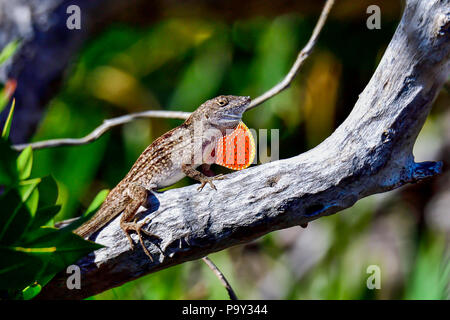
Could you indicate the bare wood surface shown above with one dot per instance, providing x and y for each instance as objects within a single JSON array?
[{"x": 371, "y": 152}]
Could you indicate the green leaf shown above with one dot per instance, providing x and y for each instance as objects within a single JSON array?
[
  {"x": 29, "y": 252},
  {"x": 8, "y": 51},
  {"x": 36, "y": 235},
  {"x": 48, "y": 192},
  {"x": 46, "y": 208},
  {"x": 7, "y": 127},
  {"x": 45, "y": 252},
  {"x": 18, "y": 269},
  {"x": 57, "y": 240},
  {"x": 15, "y": 217},
  {"x": 26, "y": 188},
  {"x": 8, "y": 168},
  {"x": 19, "y": 206},
  {"x": 24, "y": 163},
  {"x": 32, "y": 202},
  {"x": 97, "y": 202},
  {"x": 58, "y": 249},
  {"x": 43, "y": 216},
  {"x": 31, "y": 291},
  {"x": 3, "y": 99},
  {"x": 92, "y": 209}
]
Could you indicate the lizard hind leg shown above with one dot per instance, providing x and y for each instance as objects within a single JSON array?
[
  {"x": 128, "y": 221},
  {"x": 191, "y": 172}
]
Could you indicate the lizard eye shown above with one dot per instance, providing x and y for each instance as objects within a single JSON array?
[{"x": 222, "y": 102}]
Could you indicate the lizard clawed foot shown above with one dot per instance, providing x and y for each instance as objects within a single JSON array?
[
  {"x": 137, "y": 227},
  {"x": 209, "y": 180}
]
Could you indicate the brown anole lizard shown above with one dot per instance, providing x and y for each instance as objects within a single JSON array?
[{"x": 168, "y": 159}]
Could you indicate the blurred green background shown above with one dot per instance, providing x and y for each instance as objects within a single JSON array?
[{"x": 178, "y": 63}]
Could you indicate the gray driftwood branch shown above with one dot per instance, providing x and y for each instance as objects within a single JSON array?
[{"x": 370, "y": 152}]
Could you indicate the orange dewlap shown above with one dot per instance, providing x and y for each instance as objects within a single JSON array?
[{"x": 236, "y": 150}]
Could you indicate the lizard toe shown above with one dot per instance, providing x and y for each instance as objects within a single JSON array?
[
  {"x": 201, "y": 186},
  {"x": 212, "y": 185}
]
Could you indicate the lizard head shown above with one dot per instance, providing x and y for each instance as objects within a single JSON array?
[{"x": 223, "y": 112}]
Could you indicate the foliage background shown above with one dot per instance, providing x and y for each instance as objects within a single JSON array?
[{"x": 179, "y": 62}]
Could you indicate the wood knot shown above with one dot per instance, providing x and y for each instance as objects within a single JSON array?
[{"x": 272, "y": 181}]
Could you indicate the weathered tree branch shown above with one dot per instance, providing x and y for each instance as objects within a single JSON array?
[{"x": 370, "y": 152}]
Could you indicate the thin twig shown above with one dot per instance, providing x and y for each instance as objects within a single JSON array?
[
  {"x": 105, "y": 126},
  {"x": 302, "y": 56},
  {"x": 110, "y": 123},
  {"x": 221, "y": 277}
]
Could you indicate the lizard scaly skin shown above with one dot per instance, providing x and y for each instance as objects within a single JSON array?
[{"x": 168, "y": 159}]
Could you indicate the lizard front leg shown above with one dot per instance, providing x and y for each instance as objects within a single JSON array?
[
  {"x": 137, "y": 196},
  {"x": 191, "y": 172}
]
